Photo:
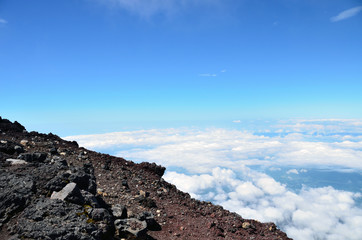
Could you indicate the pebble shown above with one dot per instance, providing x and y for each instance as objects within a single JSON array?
[{"x": 246, "y": 225}]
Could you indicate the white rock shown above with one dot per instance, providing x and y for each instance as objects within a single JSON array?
[
  {"x": 17, "y": 148},
  {"x": 62, "y": 194},
  {"x": 24, "y": 142},
  {"x": 16, "y": 161}
]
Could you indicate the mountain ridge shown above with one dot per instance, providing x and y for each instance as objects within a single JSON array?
[{"x": 53, "y": 189}]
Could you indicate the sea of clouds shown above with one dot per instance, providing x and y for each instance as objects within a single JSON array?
[{"x": 251, "y": 171}]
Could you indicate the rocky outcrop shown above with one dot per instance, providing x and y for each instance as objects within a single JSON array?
[
  {"x": 7, "y": 126},
  {"x": 52, "y": 189},
  {"x": 15, "y": 194},
  {"x": 56, "y": 219}
]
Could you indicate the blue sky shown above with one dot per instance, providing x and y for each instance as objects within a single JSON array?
[{"x": 72, "y": 66}]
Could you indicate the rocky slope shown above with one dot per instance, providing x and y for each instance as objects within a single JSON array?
[{"x": 52, "y": 189}]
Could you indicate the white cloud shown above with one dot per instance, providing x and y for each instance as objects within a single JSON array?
[
  {"x": 270, "y": 186},
  {"x": 236, "y": 121},
  {"x": 275, "y": 169},
  {"x": 347, "y": 14},
  {"x": 149, "y": 8},
  {"x": 207, "y": 75},
  {"x": 294, "y": 171},
  {"x": 321, "y": 126},
  {"x": 3, "y": 21}
]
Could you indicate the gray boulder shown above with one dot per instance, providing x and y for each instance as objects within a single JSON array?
[
  {"x": 70, "y": 193},
  {"x": 131, "y": 228}
]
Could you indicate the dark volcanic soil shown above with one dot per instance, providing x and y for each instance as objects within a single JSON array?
[{"x": 138, "y": 187}]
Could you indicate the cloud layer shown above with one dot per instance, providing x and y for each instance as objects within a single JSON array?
[
  {"x": 219, "y": 165},
  {"x": 302, "y": 143},
  {"x": 311, "y": 213}
]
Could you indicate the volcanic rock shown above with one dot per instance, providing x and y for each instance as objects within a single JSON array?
[{"x": 15, "y": 193}]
